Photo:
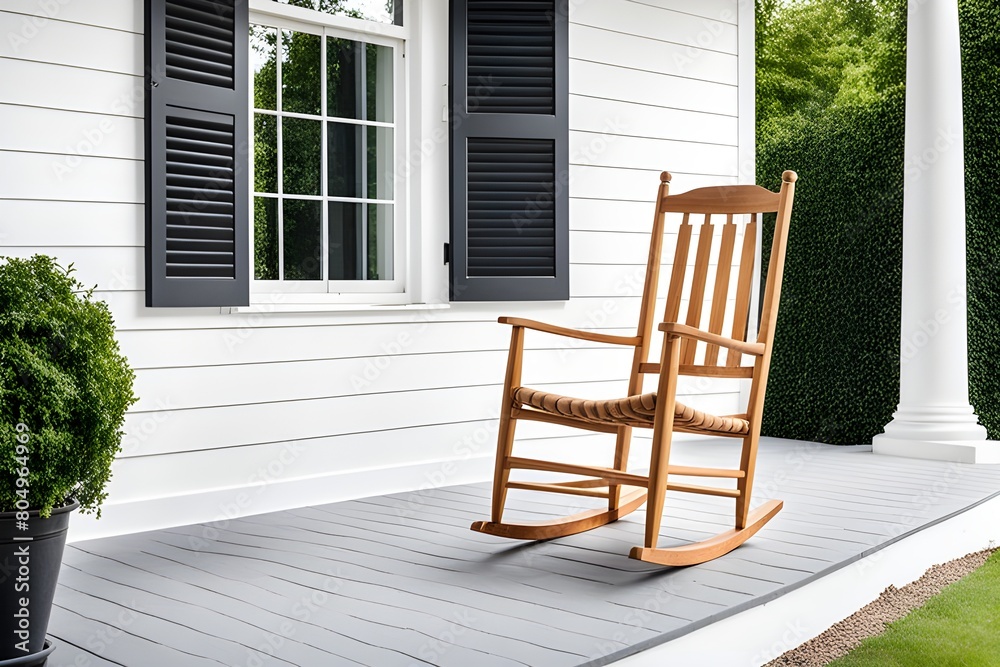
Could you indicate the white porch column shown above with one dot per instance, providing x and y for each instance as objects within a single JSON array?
[{"x": 934, "y": 419}]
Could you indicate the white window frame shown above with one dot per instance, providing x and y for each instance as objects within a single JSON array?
[{"x": 324, "y": 292}]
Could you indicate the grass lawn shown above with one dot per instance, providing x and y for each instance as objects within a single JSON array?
[{"x": 958, "y": 627}]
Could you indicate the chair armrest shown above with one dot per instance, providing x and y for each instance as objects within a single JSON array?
[
  {"x": 686, "y": 331},
  {"x": 570, "y": 333}
]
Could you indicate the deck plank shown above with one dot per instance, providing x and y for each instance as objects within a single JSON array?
[{"x": 400, "y": 580}]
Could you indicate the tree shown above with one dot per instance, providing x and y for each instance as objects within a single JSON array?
[
  {"x": 816, "y": 54},
  {"x": 830, "y": 105},
  {"x": 831, "y": 75}
]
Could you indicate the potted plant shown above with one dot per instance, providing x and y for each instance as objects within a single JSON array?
[{"x": 64, "y": 390}]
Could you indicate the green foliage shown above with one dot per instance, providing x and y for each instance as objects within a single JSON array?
[
  {"x": 64, "y": 378},
  {"x": 816, "y": 54},
  {"x": 980, "y": 24},
  {"x": 835, "y": 368},
  {"x": 835, "y": 371},
  {"x": 959, "y": 627},
  {"x": 830, "y": 103}
]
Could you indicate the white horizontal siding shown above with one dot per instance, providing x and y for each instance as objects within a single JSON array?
[
  {"x": 72, "y": 44},
  {"x": 70, "y": 88},
  {"x": 309, "y": 380},
  {"x": 265, "y": 344},
  {"x": 259, "y": 384},
  {"x": 311, "y": 395},
  {"x": 662, "y": 90},
  {"x": 71, "y": 133},
  {"x": 96, "y": 224},
  {"x": 635, "y": 217},
  {"x": 651, "y": 55},
  {"x": 633, "y": 185},
  {"x": 236, "y": 426},
  {"x": 70, "y": 178},
  {"x": 660, "y": 23},
  {"x": 123, "y": 15},
  {"x": 639, "y": 153},
  {"x": 720, "y": 10},
  {"x": 596, "y": 114},
  {"x": 136, "y": 478}
]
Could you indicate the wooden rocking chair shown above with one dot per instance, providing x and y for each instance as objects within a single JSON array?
[{"x": 660, "y": 410}]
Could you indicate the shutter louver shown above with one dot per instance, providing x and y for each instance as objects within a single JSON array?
[
  {"x": 509, "y": 150},
  {"x": 511, "y": 57},
  {"x": 200, "y": 41},
  {"x": 511, "y": 211},
  {"x": 201, "y": 226},
  {"x": 197, "y": 209}
]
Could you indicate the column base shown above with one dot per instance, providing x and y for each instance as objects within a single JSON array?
[{"x": 958, "y": 451}]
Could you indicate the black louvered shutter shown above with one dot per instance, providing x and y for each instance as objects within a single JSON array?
[
  {"x": 197, "y": 210},
  {"x": 509, "y": 150}
]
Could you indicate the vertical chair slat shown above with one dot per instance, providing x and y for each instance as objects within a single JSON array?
[
  {"x": 698, "y": 281},
  {"x": 743, "y": 285},
  {"x": 678, "y": 270},
  {"x": 721, "y": 294}
]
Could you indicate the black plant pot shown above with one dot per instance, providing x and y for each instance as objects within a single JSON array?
[
  {"x": 29, "y": 570},
  {"x": 39, "y": 659}
]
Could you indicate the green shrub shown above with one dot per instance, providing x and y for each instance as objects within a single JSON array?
[
  {"x": 835, "y": 373},
  {"x": 835, "y": 369},
  {"x": 980, "y": 24},
  {"x": 63, "y": 378}
]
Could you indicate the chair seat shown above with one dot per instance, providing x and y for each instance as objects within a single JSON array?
[{"x": 629, "y": 411}]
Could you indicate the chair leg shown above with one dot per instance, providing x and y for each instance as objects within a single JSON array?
[
  {"x": 501, "y": 473},
  {"x": 748, "y": 460},
  {"x": 658, "y": 468},
  {"x": 663, "y": 427},
  {"x": 622, "y": 443},
  {"x": 505, "y": 435}
]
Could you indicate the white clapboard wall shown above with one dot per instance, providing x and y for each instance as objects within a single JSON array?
[{"x": 247, "y": 412}]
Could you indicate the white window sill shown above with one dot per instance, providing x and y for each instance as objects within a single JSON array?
[{"x": 368, "y": 308}]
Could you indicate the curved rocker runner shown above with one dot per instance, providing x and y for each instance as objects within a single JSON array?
[{"x": 695, "y": 346}]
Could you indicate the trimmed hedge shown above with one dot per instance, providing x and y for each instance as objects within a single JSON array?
[
  {"x": 835, "y": 371},
  {"x": 980, "y": 23}
]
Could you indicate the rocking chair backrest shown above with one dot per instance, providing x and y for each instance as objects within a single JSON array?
[{"x": 706, "y": 209}]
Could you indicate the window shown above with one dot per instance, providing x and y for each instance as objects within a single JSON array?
[
  {"x": 275, "y": 143},
  {"x": 327, "y": 207},
  {"x": 380, "y": 11}
]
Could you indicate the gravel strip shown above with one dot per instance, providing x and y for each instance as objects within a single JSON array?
[{"x": 893, "y": 604}]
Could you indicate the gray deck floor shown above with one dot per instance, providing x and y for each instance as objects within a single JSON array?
[{"x": 400, "y": 580}]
